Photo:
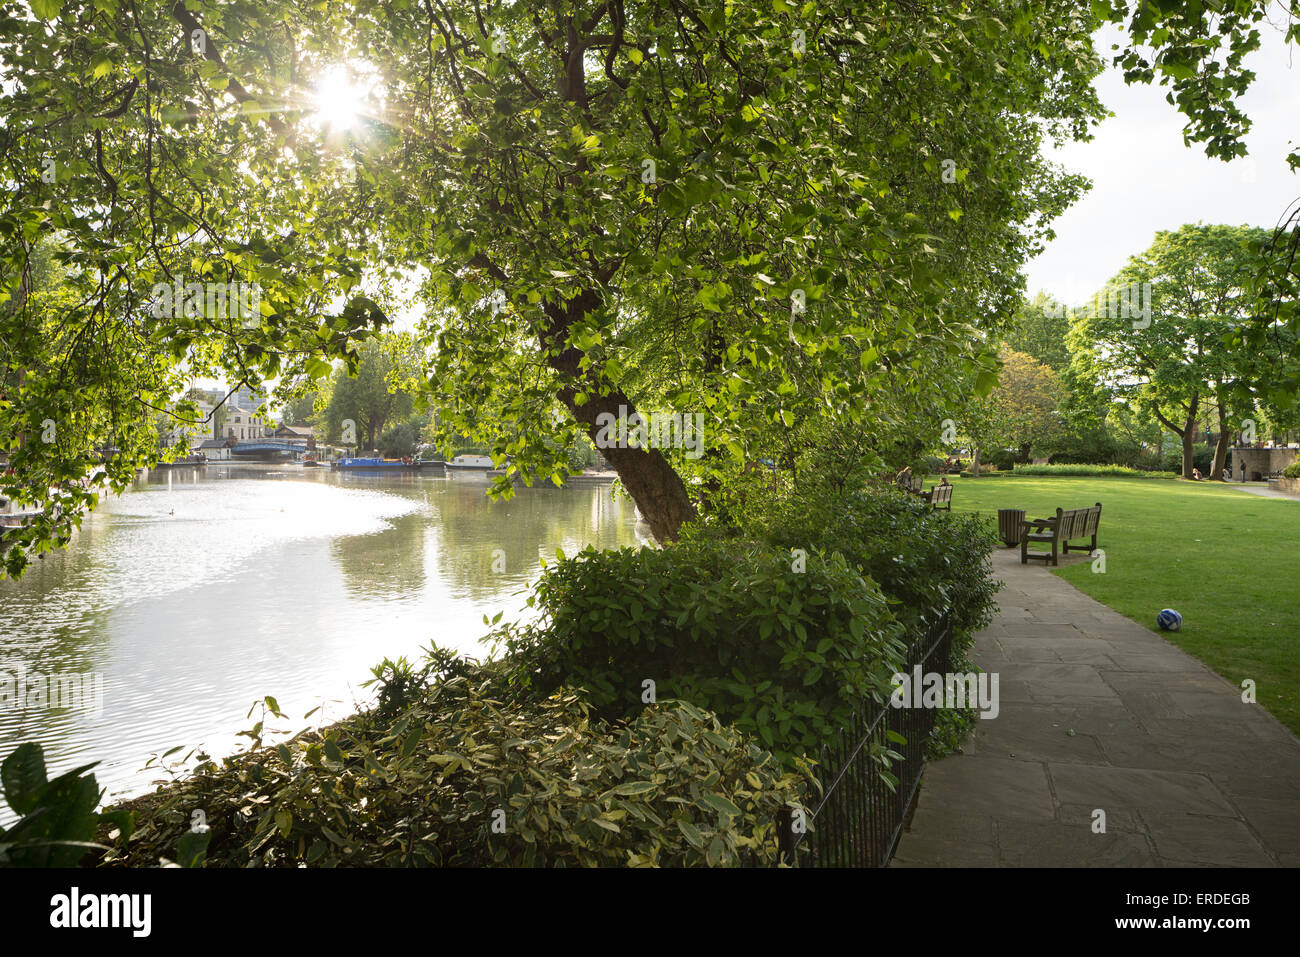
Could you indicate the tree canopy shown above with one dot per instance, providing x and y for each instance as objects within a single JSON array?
[
  {"x": 1175, "y": 361},
  {"x": 766, "y": 214},
  {"x": 1040, "y": 329}
]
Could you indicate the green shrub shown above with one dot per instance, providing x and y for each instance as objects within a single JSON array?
[
  {"x": 1084, "y": 442},
  {"x": 402, "y": 684},
  {"x": 1004, "y": 459},
  {"x": 924, "y": 561},
  {"x": 1292, "y": 471},
  {"x": 779, "y": 646},
  {"x": 1094, "y": 471},
  {"x": 464, "y": 779}
]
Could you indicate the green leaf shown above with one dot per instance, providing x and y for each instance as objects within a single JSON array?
[
  {"x": 411, "y": 744},
  {"x": 124, "y": 821},
  {"x": 720, "y": 804},
  {"x": 634, "y": 787},
  {"x": 193, "y": 848},
  {"x": 23, "y": 776}
]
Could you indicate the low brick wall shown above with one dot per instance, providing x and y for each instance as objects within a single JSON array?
[
  {"x": 1261, "y": 463},
  {"x": 1287, "y": 485}
]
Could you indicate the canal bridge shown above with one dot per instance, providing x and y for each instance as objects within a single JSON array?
[{"x": 268, "y": 447}]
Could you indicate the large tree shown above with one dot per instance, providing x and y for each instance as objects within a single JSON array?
[
  {"x": 1173, "y": 358},
  {"x": 373, "y": 395},
  {"x": 1198, "y": 51},
  {"x": 760, "y": 213},
  {"x": 729, "y": 210},
  {"x": 1020, "y": 413}
]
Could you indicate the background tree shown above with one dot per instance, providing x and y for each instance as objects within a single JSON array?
[
  {"x": 1039, "y": 329},
  {"x": 1020, "y": 413},
  {"x": 1199, "y": 51},
  {"x": 1178, "y": 364},
  {"x": 303, "y": 409},
  {"x": 1025, "y": 403},
  {"x": 372, "y": 396}
]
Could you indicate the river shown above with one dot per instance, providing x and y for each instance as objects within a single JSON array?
[{"x": 200, "y": 591}]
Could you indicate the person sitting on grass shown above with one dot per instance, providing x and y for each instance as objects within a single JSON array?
[{"x": 1196, "y": 475}]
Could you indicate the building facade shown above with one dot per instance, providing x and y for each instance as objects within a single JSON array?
[{"x": 243, "y": 424}]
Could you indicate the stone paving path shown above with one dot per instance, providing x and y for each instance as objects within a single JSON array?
[
  {"x": 1262, "y": 489},
  {"x": 1099, "y": 713}
]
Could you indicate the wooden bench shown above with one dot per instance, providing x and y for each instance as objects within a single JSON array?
[
  {"x": 911, "y": 484},
  {"x": 1058, "y": 532},
  {"x": 940, "y": 496}
]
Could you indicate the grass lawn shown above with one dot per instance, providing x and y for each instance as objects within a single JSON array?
[{"x": 1228, "y": 560}]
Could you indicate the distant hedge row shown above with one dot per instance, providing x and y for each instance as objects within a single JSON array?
[{"x": 1094, "y": 471}]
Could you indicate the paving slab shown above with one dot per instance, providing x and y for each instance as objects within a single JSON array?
[
  {"x": 1046, "y": 845},
  {"x": 1221, "y": 842},
  {"x": 1100, "y": 713},
  {"x": 1141, "y": 789}
]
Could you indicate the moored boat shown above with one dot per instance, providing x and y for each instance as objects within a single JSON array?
[
  {"x": 373, "y": 463},
  {"x": 477, "y": 463}
]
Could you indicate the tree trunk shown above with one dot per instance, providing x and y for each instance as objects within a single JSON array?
[
  {"x": 1188, "y": 452},
  {"x": 1220, "y": 455},
  {"x": 1186, "y": 432},
  {"x": 653, "y": 483},
  {"x": 1222, "y": 444},
  {"x": 975, "y": 463},
  {"x": 649, "y": 478}
]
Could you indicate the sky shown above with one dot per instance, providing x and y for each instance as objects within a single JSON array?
[{"x": 1145, "y": 179}]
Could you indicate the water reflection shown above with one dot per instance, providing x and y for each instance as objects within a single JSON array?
[{"x": 201, "y": 590}]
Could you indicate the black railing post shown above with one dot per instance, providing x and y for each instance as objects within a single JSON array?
[
  {"x": 785, "y": 835},
  {"x": 859, "y": 819}
]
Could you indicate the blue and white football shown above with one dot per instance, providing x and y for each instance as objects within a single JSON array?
[{"x": 1169, "y": 620}]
